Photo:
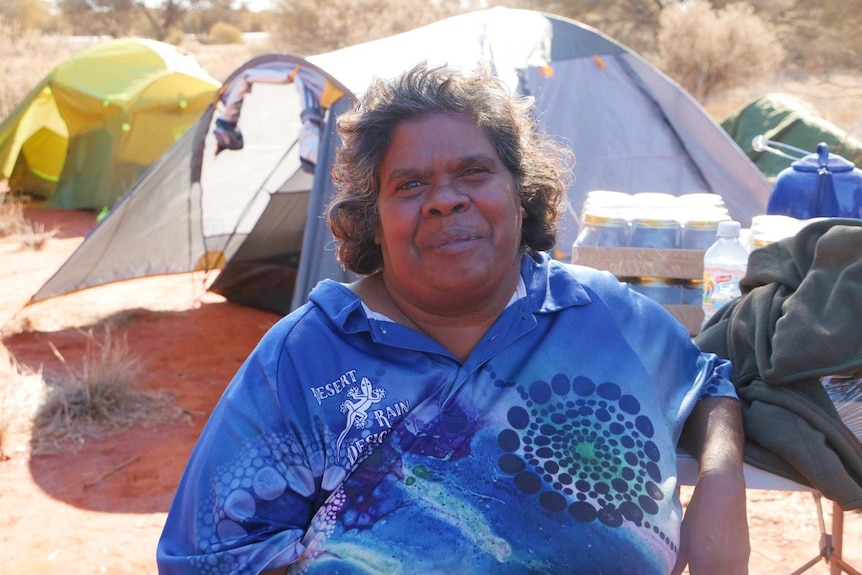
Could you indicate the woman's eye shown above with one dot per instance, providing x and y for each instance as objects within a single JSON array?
[
  {"x": 408, "y": 187},
  {"x": 473, "y": 171}
]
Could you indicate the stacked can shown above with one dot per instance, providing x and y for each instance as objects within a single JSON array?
[
  {"x": 656, "y": 221},
  {"x": 700, "y": 228},
  {"x": 766, "y": 229},
  {"x": 665, "y": 291},
  {"x": 602, "y": 228},
  {"x": 655, "y": 232},
  {"x": 656, "y": 227},
  {"x": 691, "y": 292}
]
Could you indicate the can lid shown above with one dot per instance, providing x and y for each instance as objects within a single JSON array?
[
  {"x": 655, "y": 222},
  {"x": 729, "y": 229},
  {"x": 653, "y": 281},
  {"x": 604, "y": 219}
]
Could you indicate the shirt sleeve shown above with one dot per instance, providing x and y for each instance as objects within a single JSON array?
[{"x": 248, "y": 491}]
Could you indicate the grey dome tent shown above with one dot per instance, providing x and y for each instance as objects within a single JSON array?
[{"x": 255, "y": 213}]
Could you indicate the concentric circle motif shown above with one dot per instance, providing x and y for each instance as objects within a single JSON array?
[{"x": 584, "y": 449}]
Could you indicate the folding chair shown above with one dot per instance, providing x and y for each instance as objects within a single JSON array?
[{"x": 830, "y": 544}]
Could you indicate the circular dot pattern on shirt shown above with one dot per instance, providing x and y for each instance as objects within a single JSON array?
[
  {"x": 584, "y": 449},
  {"x": 709, "y": 390},
  {"x": 255, "y": 477}
]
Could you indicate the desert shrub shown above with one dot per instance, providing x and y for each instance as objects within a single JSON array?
[
  {"x": 33, "y": 236},
  {"x": 100, "y": 395},
  {"x": 26, "y": 56},
  {"x": 21, "y": 389},
  {"x": 707, "y": 51},
  {"x": 223, "y": 33},
  {"x": 31, "y": 14},
  {"x": 310, "y": 27},
  {"x": 174, "y": 37},
  {"x": 819, "y": 36},
  {"x": 12, "y": 220}
]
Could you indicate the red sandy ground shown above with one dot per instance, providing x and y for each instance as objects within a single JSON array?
[{"x": 97, "y": 506}]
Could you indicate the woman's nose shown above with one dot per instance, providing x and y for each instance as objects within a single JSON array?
[{"x": 444, "y": 200}]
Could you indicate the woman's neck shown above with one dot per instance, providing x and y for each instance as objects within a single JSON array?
[{"x": 459, "y": 333}]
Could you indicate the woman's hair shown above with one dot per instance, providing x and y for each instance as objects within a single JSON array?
[{"x": 539, "y": 165}]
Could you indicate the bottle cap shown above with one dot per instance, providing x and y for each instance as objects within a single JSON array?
[{"x": 728, "y": 229}]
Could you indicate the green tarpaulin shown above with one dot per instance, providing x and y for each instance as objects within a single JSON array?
[{"x": 783, "y": 118}]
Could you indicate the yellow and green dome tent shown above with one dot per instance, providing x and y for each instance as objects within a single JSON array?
[{"x": 98, "y": 120}]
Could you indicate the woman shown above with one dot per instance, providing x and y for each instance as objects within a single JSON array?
[{"x": 469, "y": 405}]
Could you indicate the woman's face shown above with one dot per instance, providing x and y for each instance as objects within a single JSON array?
[{"x": 450, "y": 216}]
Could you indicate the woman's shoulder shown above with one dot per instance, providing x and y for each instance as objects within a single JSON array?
[
  {"x": 588, "y": 277},
  {"x": 328, "y": 308}
]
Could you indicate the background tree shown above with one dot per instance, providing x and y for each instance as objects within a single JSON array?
[
  {"x": 99, "y": 17},
  {"x": 206, "y": 15},
  {"x": 310, "y": 27},
  {"x": 28, "y": 14},
  {"x": 816, "y": 35},
  {"x": 128, "y": 17},
  {"x": 168, "y": 17},
  {"x": 26, "y": 56},
  {"x": 821, "y": 34},
  {"x": 633, "y": 23},
  {"x": 708, "y": 50}
]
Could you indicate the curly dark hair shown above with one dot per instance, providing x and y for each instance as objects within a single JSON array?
[{"x": 539, "y": 165}]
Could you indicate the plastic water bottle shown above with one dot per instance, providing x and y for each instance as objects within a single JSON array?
[{"x": 724, "y": 264}]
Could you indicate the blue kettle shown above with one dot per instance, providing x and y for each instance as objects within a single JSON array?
[{"x": 816, "y": 185}]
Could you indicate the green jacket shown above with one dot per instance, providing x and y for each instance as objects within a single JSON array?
[{"x": 798, "y": 319}]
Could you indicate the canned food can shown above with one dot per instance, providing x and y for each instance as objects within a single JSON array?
[
  {"x": 606, "y": 199},
  {"x": 655, "y": 233},
  {"x": 665, "y": 291},
  {"x": 699, "y": 234},
  {"x": 691, "y": 292},
  {"x": 603, "y": 231},
  {"x": 700, "y": 227}
]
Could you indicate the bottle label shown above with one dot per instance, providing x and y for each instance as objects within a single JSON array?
[{"x": 720, "y": 286}]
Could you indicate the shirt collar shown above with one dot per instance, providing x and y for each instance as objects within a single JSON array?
[
  {"x": 550, "y": 284},
  {"x": 546, "y": 283}
]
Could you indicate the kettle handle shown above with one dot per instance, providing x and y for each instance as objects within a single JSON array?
[{"x": 761, "y": 144}]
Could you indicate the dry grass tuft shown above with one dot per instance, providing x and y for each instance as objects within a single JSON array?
[
  {"x": 26, "y": 56},
  {"x": 21, "y": 392},
  {"x": 13, "y": 223},
  {"x": 35, "y": 236},
  {"x": 97, "y": 397},
  {"x": 12, "y": 220}
]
